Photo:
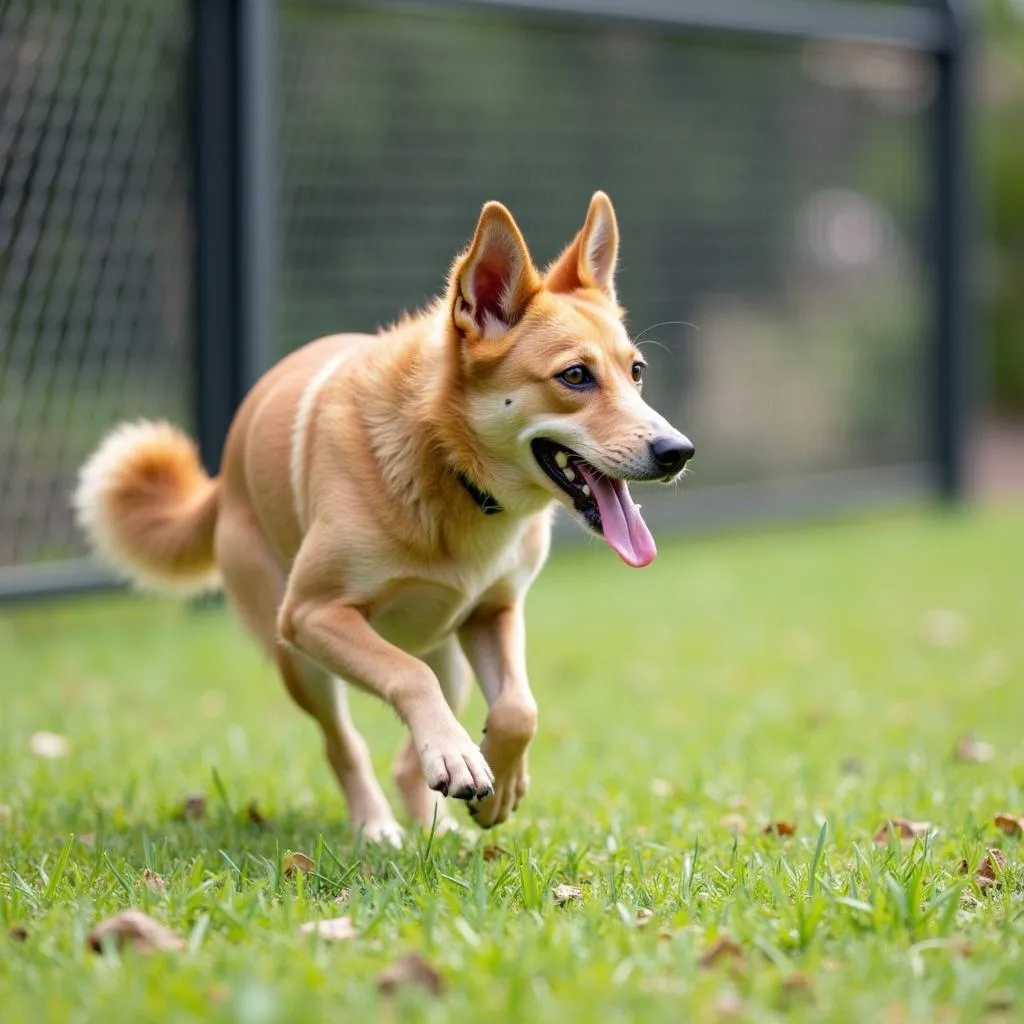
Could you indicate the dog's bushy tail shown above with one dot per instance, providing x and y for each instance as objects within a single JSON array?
[{"x": 149, "y": 509}]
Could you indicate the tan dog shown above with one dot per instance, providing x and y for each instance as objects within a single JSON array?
[{"x": 385, "y": 501}]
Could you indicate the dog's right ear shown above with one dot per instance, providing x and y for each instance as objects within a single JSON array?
[{"x": 494, "y": 281}]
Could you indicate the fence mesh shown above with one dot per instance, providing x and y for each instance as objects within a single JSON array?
[
  {"x": 95, "y": 275},
  {"x": 771, "y": 196}
]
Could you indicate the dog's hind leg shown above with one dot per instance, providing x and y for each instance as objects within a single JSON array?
[
  {"x": 255, "y": 585},
  {"x": 422, "y": 802}
]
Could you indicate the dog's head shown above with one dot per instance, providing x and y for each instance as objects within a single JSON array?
[{"x": 551, "y": 382}]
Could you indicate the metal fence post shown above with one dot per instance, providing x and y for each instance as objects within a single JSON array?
[
  {"x": 232, "y": 125},
  {"x": 952, "y": 378}
]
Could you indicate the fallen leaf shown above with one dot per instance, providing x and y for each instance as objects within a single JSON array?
[
  {"x": 341, "y": 898},
  {"x": 194, "y": 807},
  {"x": 779, "y": 828},
  {"x": 988, "y": 870},
  {"x": 18, "y": 933},
  {"x": 153, "y": 881},
  {"x": 252, "y": 812},
  {"x": 1011, "y": 825},
  {"x": 661, "y": 787},
  {"x": 411, "y": 969},
  {"x": 136, "y": 930},
  {"x": 724, "y": 948},
  {"x": 943, "y": 627},
  {"x": 294, "y": 861},
  {"x": 492, "y": 852},
  {"x": 335, "y": 929},
  {"x": 643, "y": 916},
  {"x": 49, "y": 745},
  {"x": 903, "y": 828},
  {"x": 796, "y": 981},
  {"x": 974, "y": 751},
  {"x": 733, "y": 822},
  {"x": 1001, "y": 999},
  {"x": 566, "y": 894}
]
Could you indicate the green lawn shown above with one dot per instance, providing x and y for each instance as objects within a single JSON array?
[{"x": 821, "y": 676}]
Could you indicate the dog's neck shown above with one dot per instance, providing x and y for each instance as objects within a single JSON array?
[{"x": 440, "y": 486}]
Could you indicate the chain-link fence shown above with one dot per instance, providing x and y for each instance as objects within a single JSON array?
[
  {"x": 95, "y": 265},
  {"x": 784, "y": 175}
]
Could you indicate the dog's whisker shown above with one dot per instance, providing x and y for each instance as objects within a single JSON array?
[{"x": 666, "y": 323}]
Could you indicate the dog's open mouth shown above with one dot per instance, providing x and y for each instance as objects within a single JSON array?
[{"x": 602, "y": 502}]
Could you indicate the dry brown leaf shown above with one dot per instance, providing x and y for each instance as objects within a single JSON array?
[
  {"x": 1001, "y": 999},
  {"x": 779, "y": 828},
  {"x": 988, "y": 870},
  {"x": 564, "y": 894},
  {"x": 723, "y": 949},
  {"x": 18, "y": 933},
  {"x": 797, "y": 981},
  {"x": 974, "y": 751},
  {"x": 49, "y": 745},
  {"x": 194, "y": 807},
  {"x": 335, "y": 929},
  {"x": 411, "y": 969},
  {"x": 492, "y": 852},
  {"x": 643, "y": 916},
  {"x": 136, "y": 930},
  {"x": 733, "y": 822},
  {"x": 294, "y": 861},
  {"x": 252, "y": 812},
  {"x": 903, "y": 828},
  {"x": 153, "y": 881},
  {"x": 1011, "y": 825}
]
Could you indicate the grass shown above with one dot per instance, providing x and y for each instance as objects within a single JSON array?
[{"x": 798, "y": 675}]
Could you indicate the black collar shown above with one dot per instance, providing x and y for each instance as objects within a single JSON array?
[{"x": 487, "y": 503}]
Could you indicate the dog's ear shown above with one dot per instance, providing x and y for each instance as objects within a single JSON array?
[
  {"x": 494, "y": 281},
  {"x": 589, "y": 260}
]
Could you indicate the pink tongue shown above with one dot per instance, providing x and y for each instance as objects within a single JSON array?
[{"x": 624, "y": 527}]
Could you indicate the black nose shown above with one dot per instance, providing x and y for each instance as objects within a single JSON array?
[{"x": 671, "y": 453}]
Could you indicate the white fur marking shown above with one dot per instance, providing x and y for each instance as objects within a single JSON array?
[{"x": 300, "y": 434}]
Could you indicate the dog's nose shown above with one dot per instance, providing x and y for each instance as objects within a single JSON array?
[{"x": 671, "y": 453}]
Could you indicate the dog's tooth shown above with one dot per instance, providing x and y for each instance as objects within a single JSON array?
[
  {"x": 586, "y": 490},
  {"x": 561, "y": 460},
  {"x": 569, "y": 475}
]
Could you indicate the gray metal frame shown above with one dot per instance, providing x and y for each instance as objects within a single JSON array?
[{"x": 234, "y": 128}]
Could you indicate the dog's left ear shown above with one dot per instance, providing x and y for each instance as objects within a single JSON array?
[
  {"x": 495, "y": 280},
  {"x": 589, "y": 260}
]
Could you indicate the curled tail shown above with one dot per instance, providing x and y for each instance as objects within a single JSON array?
[{"x": 149, "y": 509}]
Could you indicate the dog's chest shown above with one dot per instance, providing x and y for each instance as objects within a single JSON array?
[{"x": 416, "y": 615}]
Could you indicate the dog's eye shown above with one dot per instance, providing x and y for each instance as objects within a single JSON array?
[
  {"x": 638, "y": 373},
  {"x": 577, "y": 376}
]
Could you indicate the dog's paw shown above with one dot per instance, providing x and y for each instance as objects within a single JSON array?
[
  {"x": 385, "y": 831},
  {"x": 510, "y": 787},
  {"x": 457, "y": 768}
]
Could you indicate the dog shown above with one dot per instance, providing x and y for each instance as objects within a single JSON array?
[{"x": 385, "y": 501}]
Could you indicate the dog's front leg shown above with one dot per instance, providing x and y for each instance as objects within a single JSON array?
[
  {"x": 495, "y": 644},
  {"x": 338, "y": 636}
]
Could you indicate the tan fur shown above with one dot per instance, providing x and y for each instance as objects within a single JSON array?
[
  {"x": 346, "y": 541},
  {"x": 148, "y": 507}
]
